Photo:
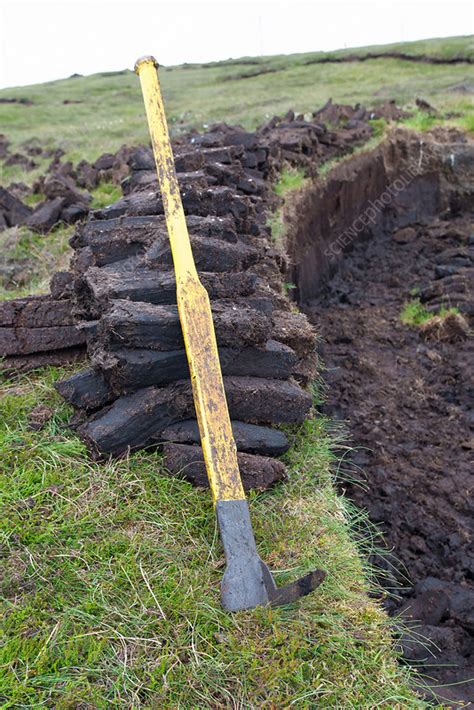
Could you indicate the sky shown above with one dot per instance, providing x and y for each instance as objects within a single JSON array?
[{"x": 43, "y": 41}]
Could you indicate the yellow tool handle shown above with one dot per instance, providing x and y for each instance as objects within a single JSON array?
[{"x": 220, "y": 452}]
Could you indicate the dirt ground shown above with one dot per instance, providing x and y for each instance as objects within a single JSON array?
[{"x": 405, "y": 395}]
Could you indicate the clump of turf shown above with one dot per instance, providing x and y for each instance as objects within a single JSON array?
[
  {"x": 451, "y": 327},
  {"x": 414, "y": 313}
]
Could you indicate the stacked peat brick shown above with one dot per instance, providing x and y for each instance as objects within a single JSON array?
[
  {"x": 121, "y": 295},
  {"x": 37, "y": 331}
]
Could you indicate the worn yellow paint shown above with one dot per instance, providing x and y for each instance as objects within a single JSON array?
[{"x": 220, "y": 453}]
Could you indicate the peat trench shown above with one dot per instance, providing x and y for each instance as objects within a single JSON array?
[{"x": 403, "y": 392}]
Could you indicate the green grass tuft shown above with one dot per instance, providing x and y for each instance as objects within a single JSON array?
[
  {"x": 33, "y": 258},
  {"x": 414, "y": 313},
  {"x": 33, "y": 199},
  {"x": 467, "y": 122},
  {"x": 379, "y": 127},
  {"x": 422, "y": 121},
  {"x": 289, "y": 179},
  {"x": 104, "y": 194}
]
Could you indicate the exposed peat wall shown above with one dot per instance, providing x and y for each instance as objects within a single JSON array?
[{"x": 407, "y": 178}]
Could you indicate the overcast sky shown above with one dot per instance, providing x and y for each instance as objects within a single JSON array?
[{"x": 41, "y": 41}]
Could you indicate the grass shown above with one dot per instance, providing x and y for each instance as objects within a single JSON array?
[
  {"x": 422, "y": 121},
  {"x": 111, "y": 576},
  {"x": 33, "y": 199},
  {"x": 34, "y": 257},
  {"x": 111, "y": 110},
  {"x": 289, "y": 181},
  {"x": 104, "y": 194},
  {"x": 415, "y": 314},
  {"x": 29, "y": 259},
  {"x": 441, "y": 47},
  {"x": 379, "y": 127}
]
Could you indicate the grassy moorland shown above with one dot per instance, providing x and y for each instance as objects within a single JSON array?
[
  {"x": 110, "y": 571},
  {"x": 106, "y": 110}
]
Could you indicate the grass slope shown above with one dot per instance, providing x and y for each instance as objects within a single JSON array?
[{"x": 111, "y": 573}]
